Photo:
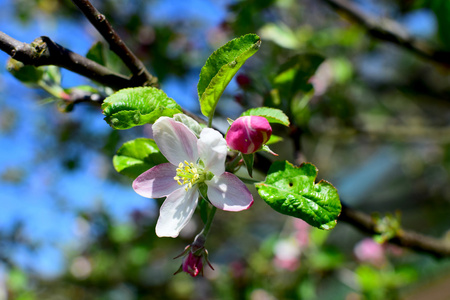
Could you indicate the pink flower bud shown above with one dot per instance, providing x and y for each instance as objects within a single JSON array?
[
  {"x": 193, "y": 264},
  {"x": 194, "y": 257},
  {"x": 248, "y": 134}
]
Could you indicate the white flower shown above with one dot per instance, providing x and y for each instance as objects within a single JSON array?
[{"x": 192, "y": 161}]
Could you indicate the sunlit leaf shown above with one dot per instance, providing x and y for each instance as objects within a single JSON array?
[
  {"x": 281, "y": 35},
  {"x": 220, "y": 68},
  {"x": 137, "y": 156},
  {"x": 274, "y": 139},
  {"x": 272, "y": 115},
  {"x": 137, "y": 106},
  {"x": 291, "y": 191}
]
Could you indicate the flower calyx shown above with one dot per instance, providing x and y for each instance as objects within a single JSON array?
[{"x": 195, "y": 257}]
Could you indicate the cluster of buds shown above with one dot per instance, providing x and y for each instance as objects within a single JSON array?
[{"x": 248, "y": 134}]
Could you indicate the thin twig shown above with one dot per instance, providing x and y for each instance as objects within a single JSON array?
[
  {"x": 43, "y": 52},
  {"x": 409, "y": 239},
  {"x": 134, "y": 64},
  {"x": 390, "y": 31}
]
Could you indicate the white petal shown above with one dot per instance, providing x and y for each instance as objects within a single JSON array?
[
  {"x": 212, "y": 149},
  {"x": 157, "y": 182},
  {"x": 227, "y": 192},
  {"x": 176, "y": 212},
  {"x": 175, "y": 140}
]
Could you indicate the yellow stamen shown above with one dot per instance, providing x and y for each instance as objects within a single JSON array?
[{"x": 188, "y": 174}]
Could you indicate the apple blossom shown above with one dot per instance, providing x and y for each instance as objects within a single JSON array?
[{"x": 192, "y": 161}]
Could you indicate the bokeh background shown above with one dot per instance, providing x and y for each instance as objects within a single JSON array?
[{"x": 376, "y": 125}]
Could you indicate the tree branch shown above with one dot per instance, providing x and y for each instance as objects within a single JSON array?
[
  {"x": 390, "y": 31},
  {"x": 43, "y": 52},
  {"x": 134, "y": 64},
  {"x": 404, "y": 238}
]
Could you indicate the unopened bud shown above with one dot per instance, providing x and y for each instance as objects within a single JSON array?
[
  {"x": 248, "y": 134},
  {"x": 193, "y": 264},
  {"x": 195, "y": 255}
]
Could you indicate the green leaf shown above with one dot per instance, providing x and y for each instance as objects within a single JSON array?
[
  {"x": 102, "y": 55},
  {"x": 281, "y": 35},
  {"x": 220, "y": 68},
  {"x": 97, "y": 53},
  {"x": 387, "y": 227},
  {"x": 52, "y": 75},
  {"x": 441, "y": 9},
  {"x": 137, "y": 106},
  {"x": 272, "y": 115},
  {"x": 294, "y": 75},
  {"x": 190, "y": 123},
  {"x": 299, "y": 107},
  {"x": 26, "y": 73},
  {"x": 137, "y": 156},
  {"x": 248, "y": 161},
  {"x": 274, "y": 139},
  {"x": 291, "y": 191}
]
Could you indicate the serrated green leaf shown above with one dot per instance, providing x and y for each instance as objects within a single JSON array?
[
  {"x": 220, "y": 68},
  {"x": 272, "y": 115},
  {"x": 137, "y": 106},
  {"x": 291, "y": 191},
  {"x": 137, "y": 156}
]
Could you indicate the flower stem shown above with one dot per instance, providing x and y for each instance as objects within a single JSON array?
[
  {"x": 210, "y": 122},
  {"x": 200, "y": 239},
  {"x": 209, "y": 221},
  {"x": 233, "y": 165}
]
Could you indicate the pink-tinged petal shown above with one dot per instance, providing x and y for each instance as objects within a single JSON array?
[
  {"x": 212, "y": 149},
  {"x": 247, "y": 134},
  {"x": 175, "y": 140},
  {"x": 156, "y": 182},
  {"x": 227, "y": 192},
  {"x": 176, "y": 212}
]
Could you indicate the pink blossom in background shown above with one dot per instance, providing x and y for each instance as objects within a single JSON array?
[
  {"x": 370, "y": 251},
  {"x": 287, "y": 254},
  {"x": 302, "y": 230}
]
